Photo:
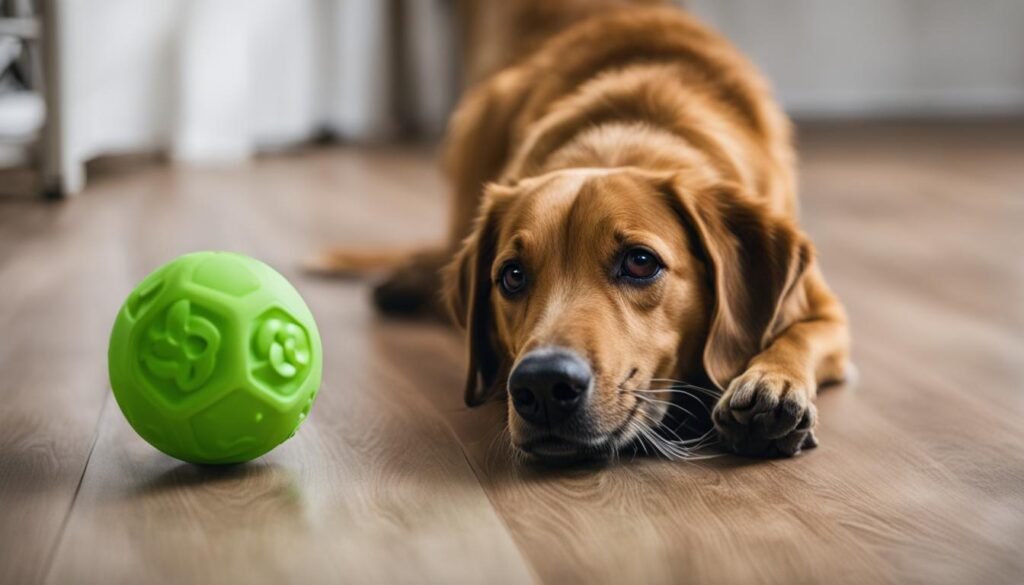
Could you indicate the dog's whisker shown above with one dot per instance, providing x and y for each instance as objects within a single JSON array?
[
  {"x": 674, "y": 384},
  {"x": 694, "y": 397},
  {"x": 679, "y": 388},
  {"x": 658, "y": 445},
  {"x": 709, "y": 391},
  {"x": 667, "y": 389},
  {"x": 671, "y": 450},
  {"x": 664, "y": 402},
  {"x": 681, "y": 449},
  {"x": 639, "y": 437},
  {"x": 704, "y": 440},
  {"x": 641, "y": 434},
  {"x": 673, "y": 380},
  {"x": 661, "y": 426}
]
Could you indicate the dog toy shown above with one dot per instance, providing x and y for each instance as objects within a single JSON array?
[{"x": 215, "y": 358}]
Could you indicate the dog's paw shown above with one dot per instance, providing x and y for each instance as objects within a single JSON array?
[
  {"x": 413, "y": 289},
  {"x": 409, "y": 290},
  {"x": 766, "y": 414}
]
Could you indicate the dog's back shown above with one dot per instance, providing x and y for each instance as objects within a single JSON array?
[
  {"x": 498, "y": 33},
  {"x": 608, "y": 64}
]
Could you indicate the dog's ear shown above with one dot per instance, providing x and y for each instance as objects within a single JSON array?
[
  {"x": 467, "y": 292},
  {"x": 755, "y": 259}
]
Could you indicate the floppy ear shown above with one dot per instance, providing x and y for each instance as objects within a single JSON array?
[
  {"x": 755, "y": 259},
  {"x": 468, "y": 291}
]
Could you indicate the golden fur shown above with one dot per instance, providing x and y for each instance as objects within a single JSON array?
[{"x": 635, "y": 126}]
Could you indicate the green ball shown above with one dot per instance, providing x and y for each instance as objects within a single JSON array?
[{"x": 215, "y": 358}]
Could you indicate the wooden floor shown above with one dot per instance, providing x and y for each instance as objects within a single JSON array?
[{"x": 919, "y": 477}]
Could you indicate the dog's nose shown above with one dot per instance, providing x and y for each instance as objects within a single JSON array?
[{"x": 549, "y": 385}]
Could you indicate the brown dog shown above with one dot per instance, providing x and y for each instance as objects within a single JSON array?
[{"x": 625, "y": 215}]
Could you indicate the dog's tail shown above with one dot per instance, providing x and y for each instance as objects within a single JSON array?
[
  {"x": 356, "y": 263},
  {"x": 497, "y": 33}
]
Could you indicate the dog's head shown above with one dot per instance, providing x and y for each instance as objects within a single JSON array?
[{"x": 579, "y": 290}]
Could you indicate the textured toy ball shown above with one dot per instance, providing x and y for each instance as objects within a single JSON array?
[{"x": 215, "y": 358}]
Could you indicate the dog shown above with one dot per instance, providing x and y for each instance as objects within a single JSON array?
[{"x": 624, "y": 224}]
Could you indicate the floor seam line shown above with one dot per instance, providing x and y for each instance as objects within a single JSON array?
[
  {"x": 494, "y": 508},
  {"x": 52, "y": 556},
  {"x": 442, "y": 416}
]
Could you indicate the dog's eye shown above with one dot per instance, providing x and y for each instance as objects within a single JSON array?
[
  {"x": 639, "y": 264},
  {"x": 512, "y": 278}
]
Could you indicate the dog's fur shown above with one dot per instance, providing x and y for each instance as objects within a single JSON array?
[{"x": 622, "y": 126}]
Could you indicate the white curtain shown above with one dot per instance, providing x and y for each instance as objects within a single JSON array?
[{"x": 213, "y": 81}]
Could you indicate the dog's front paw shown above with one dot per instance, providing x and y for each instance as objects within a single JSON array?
[{"x": 765, "y": 413}]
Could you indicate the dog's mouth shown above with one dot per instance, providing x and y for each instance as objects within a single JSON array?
[
  {"x": 557, "y": 451},
  {"x": 553, "y": 448}
]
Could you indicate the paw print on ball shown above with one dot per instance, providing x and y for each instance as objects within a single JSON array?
[
  {"x": 180, "y": 348},
  {"x": 280, "y": 352}
]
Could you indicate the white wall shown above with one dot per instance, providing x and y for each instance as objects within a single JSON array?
[{"x": 882, "y": 57}]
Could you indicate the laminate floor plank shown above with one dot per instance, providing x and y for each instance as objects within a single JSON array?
[{"x": 54, "y": 309}]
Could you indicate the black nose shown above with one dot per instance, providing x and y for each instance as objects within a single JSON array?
[{"x": 548, "y": 385}]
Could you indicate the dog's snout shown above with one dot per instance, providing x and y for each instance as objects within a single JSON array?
[{"x": 549, "y": 385}]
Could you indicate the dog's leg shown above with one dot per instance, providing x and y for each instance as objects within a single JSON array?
[{"x": 769, "y": 409}]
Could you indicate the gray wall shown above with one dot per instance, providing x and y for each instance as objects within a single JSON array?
[{"x": 882, "y": 57}]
